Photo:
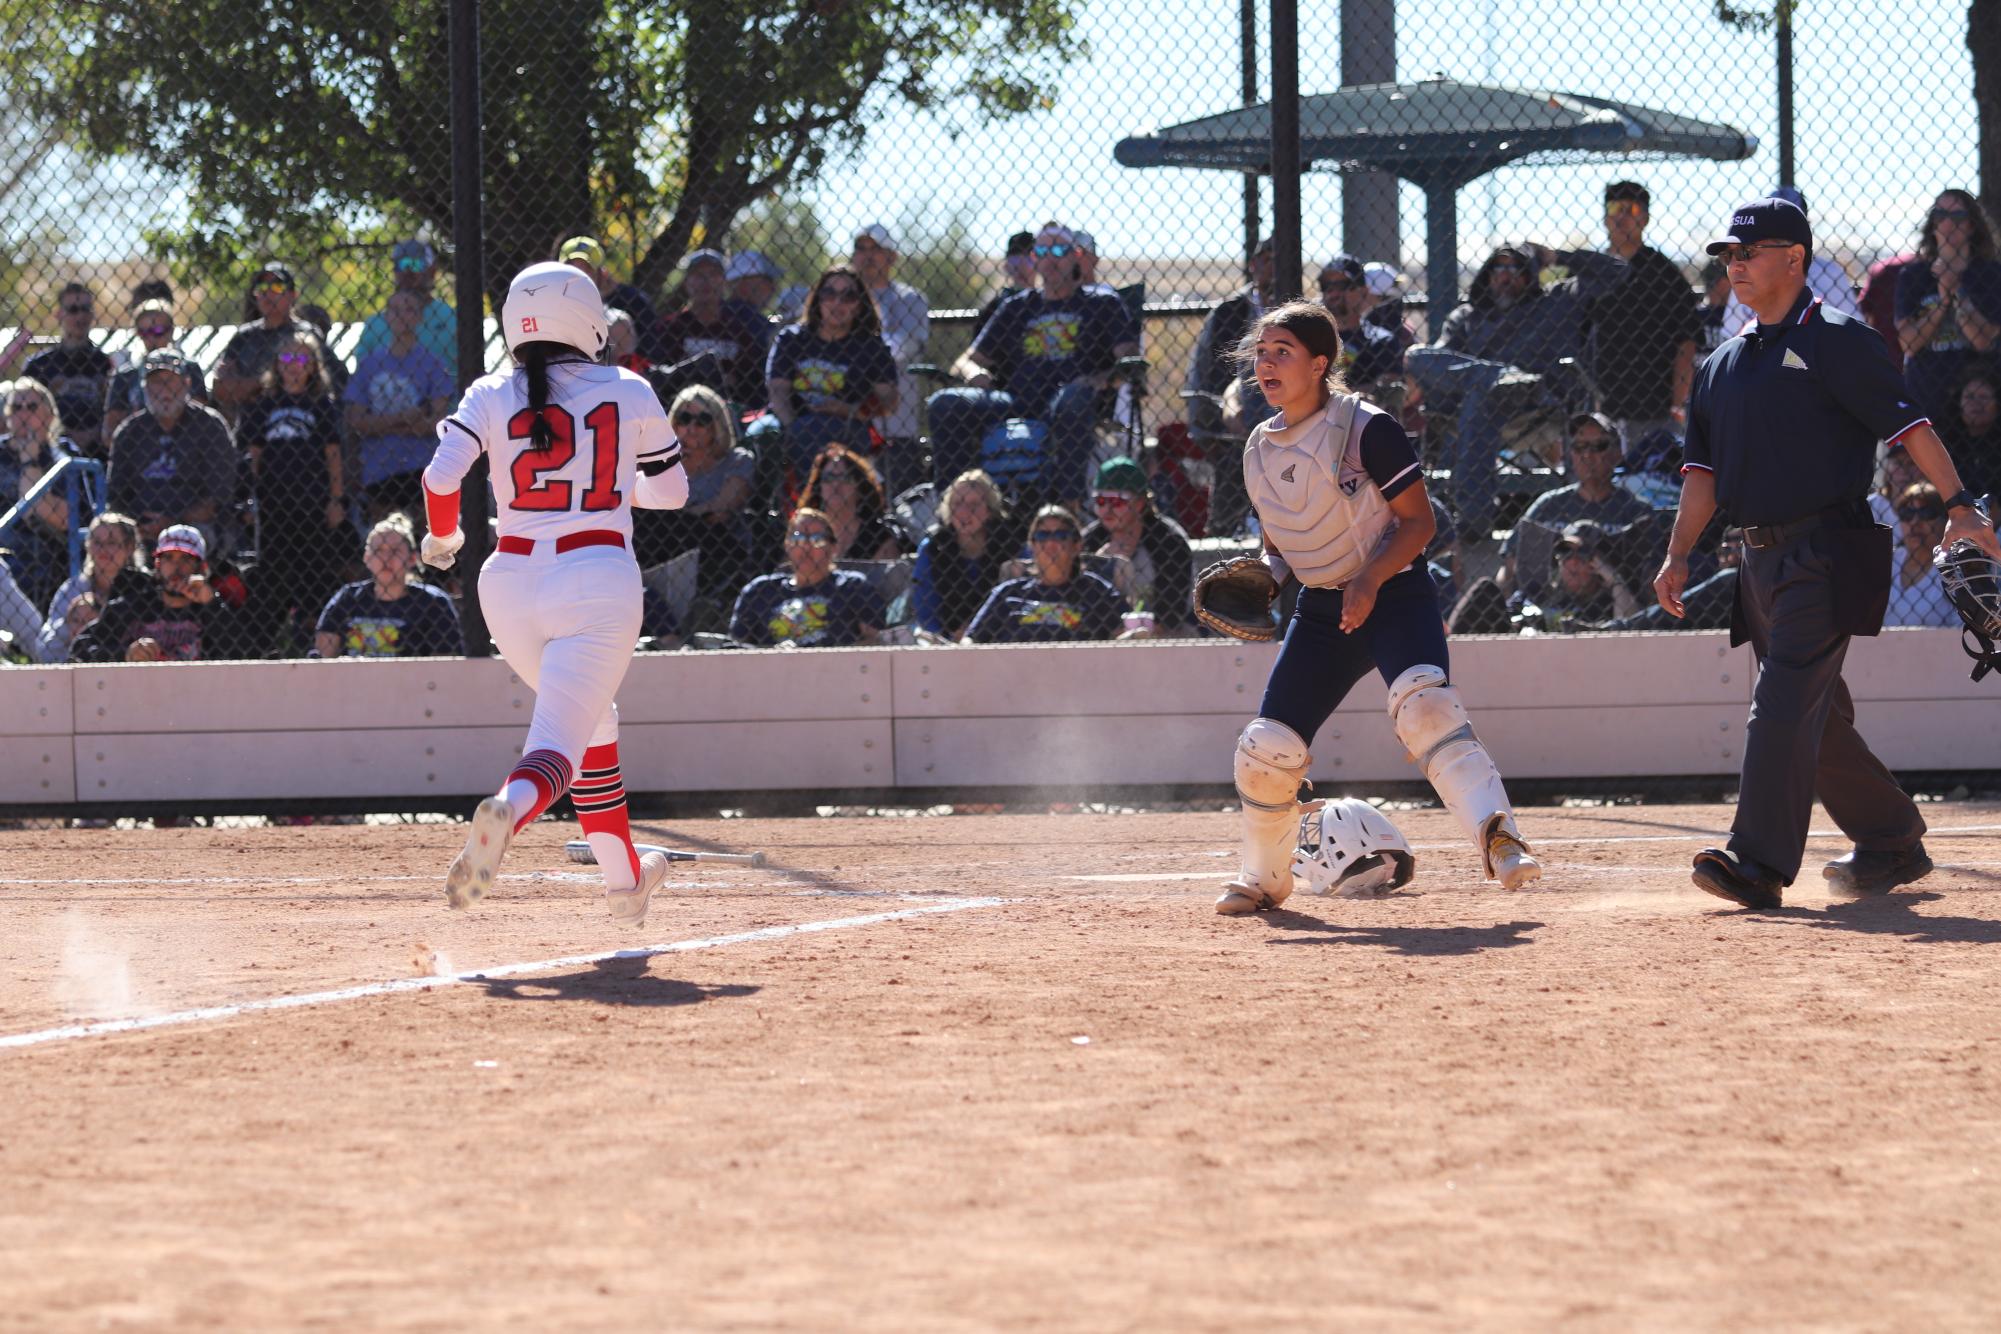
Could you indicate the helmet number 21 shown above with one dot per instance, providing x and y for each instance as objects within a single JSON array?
[{"x": 535, "y": 491}]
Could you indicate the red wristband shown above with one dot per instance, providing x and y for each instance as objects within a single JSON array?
[{"x": 441, "y": 512}]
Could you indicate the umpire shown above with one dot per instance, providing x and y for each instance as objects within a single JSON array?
[{"x": 1782, "y": 431}]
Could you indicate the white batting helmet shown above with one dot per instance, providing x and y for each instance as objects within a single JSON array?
[
  {"x": 554, "y": 303},
  {"x": 1349, "y": 848}
]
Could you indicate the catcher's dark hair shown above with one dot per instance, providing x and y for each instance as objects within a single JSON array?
[
  {"x": 1309, "y": 322},
  {"x": 535, "y": 359}
]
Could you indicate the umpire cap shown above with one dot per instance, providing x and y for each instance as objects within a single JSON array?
[{"x": 1768, "y": 219}]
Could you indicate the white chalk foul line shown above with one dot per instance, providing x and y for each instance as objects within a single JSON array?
[{"x": 403, "y": 984}]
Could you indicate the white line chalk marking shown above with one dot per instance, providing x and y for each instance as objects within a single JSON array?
[{"x": 70, "y": 1031}]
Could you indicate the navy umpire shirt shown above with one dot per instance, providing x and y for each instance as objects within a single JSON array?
[{"x": 1787, "y": 415}]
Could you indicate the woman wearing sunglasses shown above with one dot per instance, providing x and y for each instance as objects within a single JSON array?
[
  {"x": 1917, "y": 596},
  {"x": 812, "y": 605},
  {"x": 1059, "y": 602},
  {"x": 830, "y": 373},
  {"x": 35, "y": 439},
  {"x": 845, "y": 488},
  {"x": 291, "y": 435},
  {"x": 1949, "y": 302},
  {"x": 712, "y": 523}
]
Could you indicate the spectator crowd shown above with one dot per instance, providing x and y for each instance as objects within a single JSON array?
[{"x": 845, "y": 491}]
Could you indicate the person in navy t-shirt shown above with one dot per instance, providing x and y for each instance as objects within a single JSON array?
[
  {"x": 389, "y": 615},
  {"x": 814, "y": 606},
  {"x": 1059, "y": 603},
  {"x": 1045, "y": 355}
]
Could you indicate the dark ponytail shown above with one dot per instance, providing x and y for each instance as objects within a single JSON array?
[
  {"x": 1311, "y": 323},
  {"x": 535, "y": 360}
]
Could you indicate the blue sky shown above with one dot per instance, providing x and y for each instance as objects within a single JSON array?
[{"x": 1874, "y": 144}]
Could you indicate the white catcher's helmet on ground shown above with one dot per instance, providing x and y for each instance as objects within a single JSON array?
[
  {"x": 1349, "y": 848},
  {"x": 554, "y": 303}
]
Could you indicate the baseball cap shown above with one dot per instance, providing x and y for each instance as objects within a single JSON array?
[
  {"x": 275, "y": 269},
  {"x": 585, "y": 248},
  {"x": 183, "y": 537},
  {"x": 881, "y": 235},
  {"x": 1123, "y": 475},
  {"x": 413, "y": 249},
  {"x": 1021, "y": 243},
  {"x": 1382, "y": 279},
  {"x": 1582, "y": 536},
  {"x": 1598, "y": 419},
  {"x": 1264, "y": 247},
  {"x": 751, "y": 264},
  {"x": 165, "y": 359},
  {"x": 1347, "y": 264},
  {"x": 694, "y": 257},
  {"x": 1791, "y": 196},
  {"x": 1767, "y": 219},
  {"x": 1085, "y": 242}
]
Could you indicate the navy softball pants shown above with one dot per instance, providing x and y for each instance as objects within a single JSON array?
[{"x": 1319, "y": 665}]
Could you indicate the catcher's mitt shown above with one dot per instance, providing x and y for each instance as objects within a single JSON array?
[{"x": 1235, "y": 597}]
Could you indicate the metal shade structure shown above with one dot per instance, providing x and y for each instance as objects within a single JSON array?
[{"x": 1438, "y": 135}]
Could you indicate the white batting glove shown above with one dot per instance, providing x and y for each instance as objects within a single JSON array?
[{"x": 439, "y": 551}]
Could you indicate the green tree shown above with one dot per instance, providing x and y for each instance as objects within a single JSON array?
[{"x": 302, "y": 125}]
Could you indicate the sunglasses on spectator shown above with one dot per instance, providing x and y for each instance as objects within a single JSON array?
[
  {"x": 24, "y": 405},
  {"x": 840, "y": 293},
  {"x": 411, "y": 264},
  {"x": 1057, "y": 249},
  {"x": 269, "y": 286},
  {"x": 1590, "y": 446},
  {"x": 295, "y": 358},
  {"x": 1054, "y": 535},
  {"x": 1111, "y": 500},
  {"x": 1510, "y": 266},
  {"x": 810, "y": 539},
  {"x": 1950, "y": 215},
  {"x": 1742, "y": 254},
  {"x": 694, "y": 419},
  {"x": 1338, "y": 284},
  {"x": 77, "y": 310},
  {"x": 1920, "y": 513},
  {"x": 155, "y": 330},
  {"x": 1624, "y": 208}
]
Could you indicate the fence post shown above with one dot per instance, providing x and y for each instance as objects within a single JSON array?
[{"x": 469, "y": 273}]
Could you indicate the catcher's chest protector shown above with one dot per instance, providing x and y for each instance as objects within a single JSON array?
[{"x": 1318, "y": 506}]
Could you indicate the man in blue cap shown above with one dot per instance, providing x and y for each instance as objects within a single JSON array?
[{"x": 1782, "y": 431}]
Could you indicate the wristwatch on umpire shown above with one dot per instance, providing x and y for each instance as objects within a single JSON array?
[{"x": 1959, "y": 498}]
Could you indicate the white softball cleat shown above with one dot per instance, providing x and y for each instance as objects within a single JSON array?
[
  {"x": 1514, "y": 865},
  {"x": 473, "y": 869},
  {"x": 628, "y": 906},
  {"x": 1241, "y": 896}
]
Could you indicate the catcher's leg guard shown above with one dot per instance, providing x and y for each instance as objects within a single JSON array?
[
  {"x": 1271, "y": 761},
  {"x": 1431, "y": 723}
]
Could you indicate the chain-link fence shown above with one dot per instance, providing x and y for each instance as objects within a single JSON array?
[{"x": 228, "y": 292}]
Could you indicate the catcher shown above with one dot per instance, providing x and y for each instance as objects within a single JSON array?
[{"x": 1341, "y": 502}]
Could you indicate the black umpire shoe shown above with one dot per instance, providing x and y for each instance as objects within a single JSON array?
[
  {"x": 1862, "y": 873},
  {"x": 1728, "y": 876}
]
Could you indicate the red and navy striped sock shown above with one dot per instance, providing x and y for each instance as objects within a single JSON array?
[
  {"x": 599, "y": 796},
  {"x": 547, "y": 773}
]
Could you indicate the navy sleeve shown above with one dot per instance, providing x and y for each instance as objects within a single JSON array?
[
  {"x": 1387, "y": 456},
  {"x": 784, "y": 357},
  {"x": 985, "y": 625},
  {"x": 1855, "y": 367},
  {"x": 1695, "y": 451},
  {"x": 333, "y": 617},
  {"x": 1107, "y": 613},
  {"x": 1126, "y": 329},
  {"x": 1915, "y": 283},
  {"x": 1982, "y": 288},
  {"x": 438, "y": 633},
  {"x": 747, "y": 619},
  {"x": 999, "y": 330}
]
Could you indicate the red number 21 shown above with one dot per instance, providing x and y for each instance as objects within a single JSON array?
[{"x": 532, "y": 492}]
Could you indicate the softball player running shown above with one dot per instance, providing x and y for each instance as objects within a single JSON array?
[
  {"x": 1341, "y": 502},
  {"x": 571, "y": 447}
]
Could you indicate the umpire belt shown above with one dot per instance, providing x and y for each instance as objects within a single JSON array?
[
  {"x": 1847, "y": 515},
  {"x": 596, "y": 537}
]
